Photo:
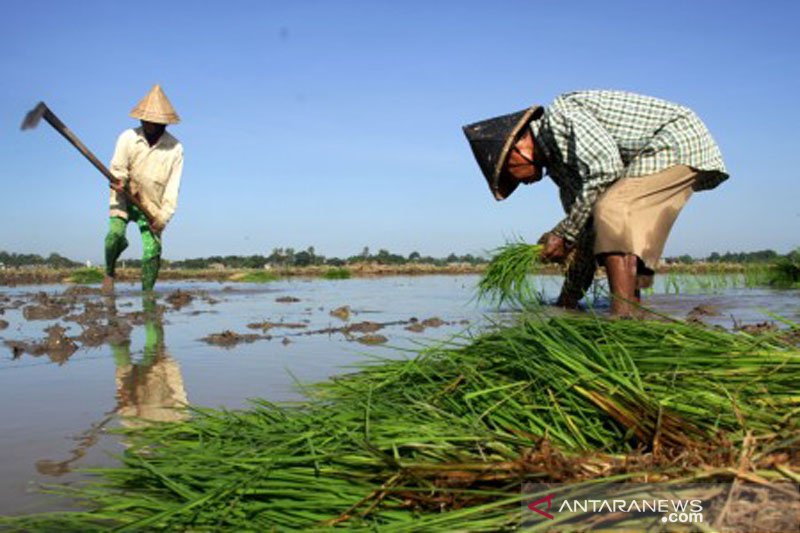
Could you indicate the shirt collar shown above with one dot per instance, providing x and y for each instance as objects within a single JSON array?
[{"x": 538, "y": 131}]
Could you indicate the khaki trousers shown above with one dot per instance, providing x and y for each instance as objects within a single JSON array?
[{"x": 635, "y": 215}]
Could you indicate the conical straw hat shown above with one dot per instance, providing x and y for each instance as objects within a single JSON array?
[
  {"x": 155, "y": 107},
  {"x": 491, "y": 142}
]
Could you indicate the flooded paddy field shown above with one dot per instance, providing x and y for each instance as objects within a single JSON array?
[{"x": 75, "y": 363}]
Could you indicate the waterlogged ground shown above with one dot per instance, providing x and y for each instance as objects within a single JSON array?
[{"x": 75, "y": 363}]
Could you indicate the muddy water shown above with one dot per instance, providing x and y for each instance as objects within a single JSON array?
[{"x": 75, "y": 363}]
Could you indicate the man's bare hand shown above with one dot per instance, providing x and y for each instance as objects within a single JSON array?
[
  {"x": 117, "y": 186},
  {"x": 155, "y": 227},
  {"x": 555, "y": 248}
]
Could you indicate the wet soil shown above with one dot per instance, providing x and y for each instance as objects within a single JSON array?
[
  {"x": 100, "y": 321},
  {"x": 98, "y": 317},
  {"x": 362, "y": 332}
]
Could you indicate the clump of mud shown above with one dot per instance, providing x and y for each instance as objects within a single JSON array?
[
  {"x": 700, "y": 311},
  {"x": 363, "y": 327},
  {"x": 266, "y": 325},
  {"x": 179, "y": 299},
  {"x": 82, "y": 290},
  {"x": 372, "y": 339},
  {"x": 415, "y": 327},
  {"x": 228, "y": 338},
  {"x": 760, "y": 328},
  {"x": 101, "y": 324},
  {"x": 342, "y": 313},
  {"x": 57, "y": 346},
  {"x": 92, "y": 313},
  {"x": 45, "y": 308},
  {"x": 418, "y": 326},
  {"x": 789, "y": 336},
  {"x": 115, "y": 332}
]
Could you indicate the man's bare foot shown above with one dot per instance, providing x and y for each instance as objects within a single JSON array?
[{"x": 108, "y": 285}]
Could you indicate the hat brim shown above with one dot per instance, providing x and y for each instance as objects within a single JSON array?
[
  {"x": 502, "y": 184},
  {"x": 505, "y": 186},
  {"x": 155, "y": 118}
]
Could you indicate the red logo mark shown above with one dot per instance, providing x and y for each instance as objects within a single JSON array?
[{"x": 548, "y": 499}]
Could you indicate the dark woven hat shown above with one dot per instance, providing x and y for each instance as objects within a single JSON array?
[{"x": 491, "y": 141}]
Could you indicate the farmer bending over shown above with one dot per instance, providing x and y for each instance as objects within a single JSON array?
[
  {"x": 625, "y": 166},
  {"x": 147, "y": 163}
]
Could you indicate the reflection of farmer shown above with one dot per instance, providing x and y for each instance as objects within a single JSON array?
[
  {"x": 624, "y": 164},
  {"x": 152, "y": 388},
  {"x": 147, "y": 163}
]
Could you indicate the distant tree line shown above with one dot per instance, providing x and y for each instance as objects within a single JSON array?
[
  {"x": 289, "y": 257},
  {"x": 53, "y": 260},
  {"x": 760, "y": 256}
]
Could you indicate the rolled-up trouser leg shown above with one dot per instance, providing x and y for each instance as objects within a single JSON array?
[
  {"x": 151, "y": 252},
  {"x": 581, "y": 267},
  {"x": 115, "y": 243},
  {"x": 635, "y": 215}
]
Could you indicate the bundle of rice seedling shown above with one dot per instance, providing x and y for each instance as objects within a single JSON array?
[
  {"x": 786, "y": 270},
  {"x": 445, "y": 439},
  {"x": 86, "y": 276},
  {"x": 506, "y": 279},
  {"x": 337, "y": 273}
]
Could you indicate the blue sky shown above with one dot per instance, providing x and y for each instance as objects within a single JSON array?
[{"x": 337, "y": 124}]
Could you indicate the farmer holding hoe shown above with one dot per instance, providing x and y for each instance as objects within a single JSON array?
[
  {"x": 625, "y": 165},
  {"x": 147, "y": 165}
]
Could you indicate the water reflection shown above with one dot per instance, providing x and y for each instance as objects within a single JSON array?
[{"x": 149, "y": 388}]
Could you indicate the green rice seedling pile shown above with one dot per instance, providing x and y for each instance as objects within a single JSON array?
[
  {"x": 87, "y": 276},
  {"x": 337, "y": 273},
  {"x": 506, "y": 279},
  {"x": 444, "y": 440}
]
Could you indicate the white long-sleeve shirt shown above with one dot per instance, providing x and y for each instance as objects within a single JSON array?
[{"x": 152, "y": 172}]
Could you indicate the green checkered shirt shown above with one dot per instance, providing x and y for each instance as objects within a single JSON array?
[{"x": 590, "y": 139}]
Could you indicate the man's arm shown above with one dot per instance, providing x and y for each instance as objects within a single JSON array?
[
  {"x": 169, "y": 201},
  {"x": 120, "y": 169}
]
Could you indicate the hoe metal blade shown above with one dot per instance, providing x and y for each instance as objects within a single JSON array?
[{"x": 34, "y": 116}]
